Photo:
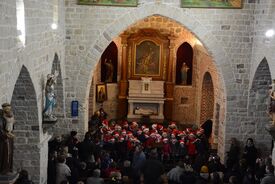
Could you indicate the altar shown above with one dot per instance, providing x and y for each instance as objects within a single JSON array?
[{"x": 145, "y": 98}]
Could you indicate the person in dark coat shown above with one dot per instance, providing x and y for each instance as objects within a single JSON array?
[
  {"x": 72, "y": 142},
  {"x": 233, "y": 154},
  {"x": 138, "y": 161},
  {"x": 250, "y": 153},
  {"x": 86, "y": 149},
  {"x": 152, "y": 170},
  {"x": 233, "y": 172},
  {"x": 249, "y": 177},
  {"x": 51, "y": 174}
]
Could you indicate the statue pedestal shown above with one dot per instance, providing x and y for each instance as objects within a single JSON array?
[
  {"x": 48, "y": 124},
  {"x": 271, "y": 130},
  {"x": 9, "y": 178}
]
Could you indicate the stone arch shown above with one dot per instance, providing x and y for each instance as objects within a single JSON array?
[
  {"x": 26, "y": 127},
  {"x": 207, "y": 99},
  {"x": 258, "y": 102},
  {"x": 60, "y": 106},
  {"x": 181, "y": 16}
]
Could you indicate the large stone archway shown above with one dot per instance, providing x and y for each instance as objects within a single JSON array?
[{"x": 92, "y": 56}]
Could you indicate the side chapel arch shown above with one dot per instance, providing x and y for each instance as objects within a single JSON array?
[
  {"x": 26, "y": 127},
  {"x": 109, "y": 64},
  {"x": 184, "y": 55}
]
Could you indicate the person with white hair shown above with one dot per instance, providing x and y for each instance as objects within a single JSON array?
[{"x": 95, "y": 178}]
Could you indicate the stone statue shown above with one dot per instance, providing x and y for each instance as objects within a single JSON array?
[
  {"x": 50, "y": 97},
  {"x": 6, "y": 138},
  {"x": 109, "y": 70},
  {"x": 272, "y": 102},
  {"x": 183, "y": 71}
]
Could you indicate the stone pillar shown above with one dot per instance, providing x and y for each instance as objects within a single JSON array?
[
  {"x": 123, "y": 83},
  {"x": 169, "y": 85}
]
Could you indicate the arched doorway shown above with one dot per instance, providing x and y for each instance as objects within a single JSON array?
[
  {"x": 26, "y": 127},
  {"x": 207, "y": 99}
]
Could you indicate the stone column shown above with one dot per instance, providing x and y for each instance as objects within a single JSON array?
[
  {"x": 123, "y": 83},
  {"x": 169, "y": 85}
]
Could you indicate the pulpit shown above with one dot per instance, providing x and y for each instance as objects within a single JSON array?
[{"x": 145, "y": 98}]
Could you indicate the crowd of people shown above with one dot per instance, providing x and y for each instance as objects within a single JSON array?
[{"x": 130, "y": 152}]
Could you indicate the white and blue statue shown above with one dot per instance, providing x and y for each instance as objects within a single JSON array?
[{"x": 50, "y": 97}]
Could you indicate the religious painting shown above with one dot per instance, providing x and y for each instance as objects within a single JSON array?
[
  {"x": 147, "y": 59},
  {"x": 101, "y": 93},
  {"x": 211, "y": 3},
  {"x": 108, "y": 2}
]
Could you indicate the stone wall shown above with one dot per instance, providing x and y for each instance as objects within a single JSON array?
[
  {"x": 234, "y": 40},
  {"x": 36, "y": 57},
  {"x": 263, "y": 47}
]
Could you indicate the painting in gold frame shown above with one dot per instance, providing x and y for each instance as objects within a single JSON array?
[
  {"x": 230, "y": 4},
  {"x": 101, "y": 93},
  {"x": 147, "y": 60}
]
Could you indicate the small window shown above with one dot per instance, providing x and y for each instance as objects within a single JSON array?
[
  {"x": 55, "y": 15},
  {"x": 20, "y": 15}
]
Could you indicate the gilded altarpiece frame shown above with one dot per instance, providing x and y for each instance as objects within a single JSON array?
[{"x": 147, "y": 55}]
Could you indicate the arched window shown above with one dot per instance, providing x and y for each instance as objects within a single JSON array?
[
  {"x": 20, "y": 15},
  {"x": 184, "y": 65},
  {"x": 55, "y": 15}
]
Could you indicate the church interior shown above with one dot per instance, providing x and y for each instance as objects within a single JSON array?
[{"x": 71, "y": 67}]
